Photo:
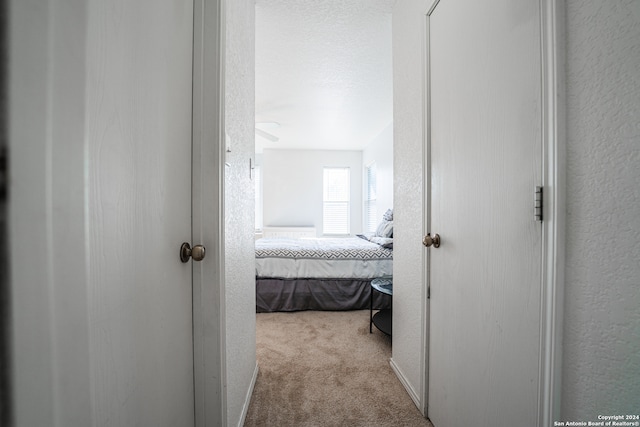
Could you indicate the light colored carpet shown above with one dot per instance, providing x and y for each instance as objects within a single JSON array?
[{"x": 326, "y": 369}]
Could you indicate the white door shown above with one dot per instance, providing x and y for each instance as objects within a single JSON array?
[
  {"x": 485, "y": 159},
  {"x": 139, "y": 121}
]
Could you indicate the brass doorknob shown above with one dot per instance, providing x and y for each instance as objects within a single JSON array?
[
  {"x": 429, "y": 241},
  {"x": 197, "y": 253}
]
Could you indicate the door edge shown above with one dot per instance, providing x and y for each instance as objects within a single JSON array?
[
  {"x": 426, "y": 190},
  {"x": 209, "y": 345}
]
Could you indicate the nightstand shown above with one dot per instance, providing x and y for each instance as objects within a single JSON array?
[{"x": 382, "y": 319}]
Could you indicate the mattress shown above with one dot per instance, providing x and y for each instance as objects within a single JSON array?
[{"x": 322, "y": 258}]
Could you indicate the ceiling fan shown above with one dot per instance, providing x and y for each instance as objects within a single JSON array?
[{"x": 265, "y": 134}]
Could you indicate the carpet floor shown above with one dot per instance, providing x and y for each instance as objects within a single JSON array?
[{"x": 326, "y": 369}]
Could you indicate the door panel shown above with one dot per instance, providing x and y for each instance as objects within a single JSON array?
[
  {"x": 139, "y": 88},
  {"x": 485, "y": 156}
]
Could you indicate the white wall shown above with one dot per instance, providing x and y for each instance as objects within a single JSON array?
[
  {"x": 239, "y": 208},
  {"x": 602, "y": 304},
  {"x": 380, "y": 150},
  {"x": 292, "y": 186},
  {"x": 408, "y": 252}
]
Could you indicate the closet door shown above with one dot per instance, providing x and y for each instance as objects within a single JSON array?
[
  {"x": 485, "y": 159},
  {"x": 139, "y": 106}
]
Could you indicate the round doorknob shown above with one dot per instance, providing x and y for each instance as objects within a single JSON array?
[
  {"x": 429, "y": 241},
  {"x": 197, "y": 253}
]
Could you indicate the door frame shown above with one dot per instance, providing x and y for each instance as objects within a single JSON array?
[
  {"x": 553, "y": 227},
  {"x": 5, "y": 401},
  {"x": 49, "y": 342},
  {"x": 208, "y": 151}
]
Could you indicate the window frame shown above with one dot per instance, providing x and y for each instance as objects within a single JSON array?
[
  {"x": 327, "y": 231},
  {"x": 257, "y": 177},
  {"x": 369, "y": 223}
]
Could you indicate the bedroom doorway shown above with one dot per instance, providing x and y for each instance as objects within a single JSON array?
[
  {"x": 321, "y": 102},
  {"x": 324, "y": 100}
]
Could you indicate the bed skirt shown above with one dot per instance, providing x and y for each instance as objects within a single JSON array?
[{"x": 316, "y": 294}]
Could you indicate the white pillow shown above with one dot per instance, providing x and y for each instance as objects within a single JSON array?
[{"x": 385, "y": 229}]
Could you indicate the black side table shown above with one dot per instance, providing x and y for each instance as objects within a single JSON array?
[{"x": 382, "y": 318}]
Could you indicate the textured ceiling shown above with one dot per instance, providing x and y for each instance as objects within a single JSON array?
[{"x": 323, "y": 72}]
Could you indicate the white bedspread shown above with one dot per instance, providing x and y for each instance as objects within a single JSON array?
[{"x": 322, "y": 258}]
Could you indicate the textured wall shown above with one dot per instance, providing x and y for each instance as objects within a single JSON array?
[
  {"x": 409, "y": 256},
  {"x": 602, "y": 305},
  {"x": 239, "y": 209},
  {"x": 380, "y": 150}
]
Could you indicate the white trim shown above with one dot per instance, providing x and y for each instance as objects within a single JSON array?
[
  {"x": 553, "y": 226},
  {"x": 553, "y": 239},
  {"x": 407, "y": 385},
  {"x": 247, "y": 398},
  {"x": 366, "y": 201},
  {"x": 426, "y": 190},
  {"x": 434, "y": 3},
  {"x": 208, "y": 156}
]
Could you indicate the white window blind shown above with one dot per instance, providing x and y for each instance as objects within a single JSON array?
[
  {"x": 258, "y": 183},
  {"x": 336, "y": 209},
  {"x": 370, "y": 199}
]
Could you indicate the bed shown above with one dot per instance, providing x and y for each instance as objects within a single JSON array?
[{"x": 307, "y": 273}]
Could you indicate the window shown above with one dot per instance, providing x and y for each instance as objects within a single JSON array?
[
  {"x": 335, "y": 209},
  {"x": 370, "y": 198},
  {"x": 258, "y": 183}
]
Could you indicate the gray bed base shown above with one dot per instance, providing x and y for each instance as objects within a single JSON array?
[{"x": 316, "y": 294}]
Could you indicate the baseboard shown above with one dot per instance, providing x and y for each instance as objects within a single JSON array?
[
  {"x": 247, "y": 399},
  {"x": 412, "y": 393}
]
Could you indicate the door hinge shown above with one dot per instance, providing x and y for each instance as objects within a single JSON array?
[
  {"x": 4, "y": 174},
  {"x": 538, "y": 203},
  {"x": 428, "y": 292}
]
